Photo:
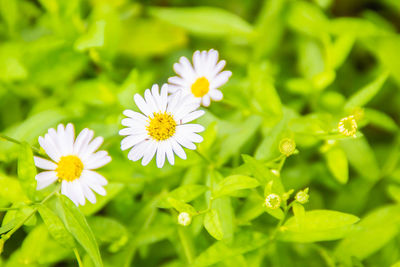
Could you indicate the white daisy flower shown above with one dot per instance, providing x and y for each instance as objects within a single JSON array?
[
  {"x": 201, "y": 80},
  {"x": 72, "y": 163},
  {"x": 163, "y": 128}
]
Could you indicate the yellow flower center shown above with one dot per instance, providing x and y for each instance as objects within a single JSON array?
[
  {"x": 69, "y": 168},
  {"x": 200, "y": 87},
  {"x": 162, "y": 126},
  {"x": 348, "y": 126}
]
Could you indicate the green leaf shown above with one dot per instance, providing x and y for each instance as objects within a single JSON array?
[
  {"x": 150, "y": 37},
  {"x": 262, "y": 173},
  {"x": 32, "y": 127},
  {"x": 112, "y": 191},
  {"x": 184, "y": 193},
  {"x": 206, "y": 21},
  {"x": 307, "y": 18},
  {"x": 93, "y": 38},
  {"x": 79, "y": 228},
  {"x": 361, "y": 157},
  {"x": 380, "y": 119},
  {"x": 181, "y": 206},
  {"x": 336, "y": 160},
  {"x": 355, "y": 27},
  {"x": 213, "y": 225},
  {"x": 33, "y": 246},
  {"x": 235, "y": 140},
  {"x": 365, "y": 94},
  {"x": 317, "y": 225},
  {"x": 371, "y": 234},
  {"x": 233, "y": 183},
  {"x": 11, "y": 190},
  {"x": 27, "y": 170},
  {"x": 110, "y": 231},
  {"x": 244, "y": 242},
  {"x": 56, "y": 227},
  {"x": 394, "y": 192}
]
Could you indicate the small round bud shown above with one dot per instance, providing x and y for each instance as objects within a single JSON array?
[
  {"x": 287, "y": 146},
  {"x": 273, "y": 201},
  {"x": 302, "y": 196},
  {"x": 184, "y": 218},
  {"x": 348, "y": 126}
]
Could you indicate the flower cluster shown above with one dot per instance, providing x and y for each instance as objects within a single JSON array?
[
  {"x": 161, "y": 129},
  {"x": 164, "y": 127}
]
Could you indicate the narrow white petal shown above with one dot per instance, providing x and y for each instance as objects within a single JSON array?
[
  {"x": 142, "y": 105},
  {"x": 45, "y": 179},
  {"x": 62, "y": 139},
  {"x": 178, "y": 150},
  {"x": 69, "y": 138},
  {"x": 216, "y": 95},
  {"x": 89, "y": 178},
  {"x": 192, "y": 116},
  {"x": 169, "y": 152},
  {"x": 50, "y": 149},
  {"x": 92, "y": 147},
  {"x": 94, "y": 177},
  {"x": 149, "y": 154},
  {"x": 217, "y": 68},
  {"x": 140, "y": 130},
  {"x": 68, "y": 191},
  {"x": 160, "y": 158},
  {"x": 192, "y": 137},
  {"x": 220, "y": 79},
  {"x": 134, "y": 115},
  {"x": 133, "y": 123},
  {"x": 132, "y": 140},
  {"x": 76, "y": 187},
  {"x": 182, "y": 140},
  {"x": 151, "y": 103},
  {"x": 164, "y": 97},
  {"x": 196, "y": 128},
  {"x": 98, "y": 163},
  {"x": 44, "y": 163},
  {"x": 82, "y": 140},
  {"x": 88, "y": 193},
  {"x": 138, "y": 150},
  {"x": 206, "y": 100}
]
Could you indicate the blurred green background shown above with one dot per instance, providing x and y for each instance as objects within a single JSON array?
[{"x": 298, "y": 68}]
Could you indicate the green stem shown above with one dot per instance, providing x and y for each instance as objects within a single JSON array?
[
  {"x": 78, "y": 258},
  {"x": 187, "y": 248},
  {"x": 21, "y": 223},
  {"x": 203, "y": 157},
  {"x": 280, "y": 223},
  {"x": 7, "y": 209},
  {"x": 15, "y": 141}
]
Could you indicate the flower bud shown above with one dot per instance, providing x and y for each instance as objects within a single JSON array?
[
  {"x": 287, "y": 146},
  {"x": 273, "y": 201},
  {"x": 348, "y": 126},
  {"x": 302, "y": 196},
  {"x": 184, "y": 218}
]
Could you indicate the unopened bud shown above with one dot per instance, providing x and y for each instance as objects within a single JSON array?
[
  {"x": 184, "y": 218},
  {"x": 287, "y": 146},
  {"x": 273, "y": 201}
]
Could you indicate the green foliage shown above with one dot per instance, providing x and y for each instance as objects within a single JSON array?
[{"x": 298, "y": 67}]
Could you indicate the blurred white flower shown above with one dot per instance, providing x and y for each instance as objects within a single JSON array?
[
  {"x": 184, "y": 218},
  {"x": 163, "y": 128},
  {"x": 72, "y": 163},
  {"x": 201, "y": 80}
]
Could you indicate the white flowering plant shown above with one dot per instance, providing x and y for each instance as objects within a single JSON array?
[{"x": 199, "y": 133}]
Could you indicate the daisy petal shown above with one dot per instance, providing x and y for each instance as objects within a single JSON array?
[
  {"x": 44, "y": 163},
  {"x": 46, "y": 178}
]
